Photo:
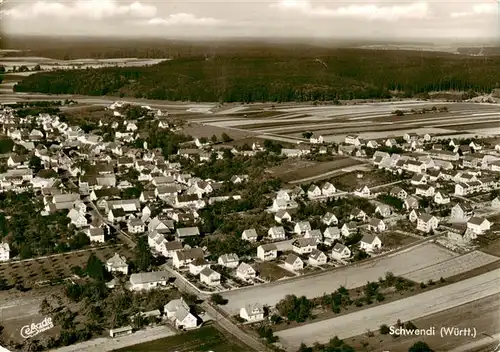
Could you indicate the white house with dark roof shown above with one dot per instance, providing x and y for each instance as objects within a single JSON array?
[
  {"x": 276, "y": 233},
  {"x": 178, "y": 312},
  {"x": 314, "y": 234},
  {"x": 478, "y": 225},
  {"x": 117, "y": 264},
  {"x": 267, "y": 252},
  {"x": 230, "y": 260},
  {"x": 249, "y": 235},
  {"x": 317, "y": 257},
  {"x": 329, "y": 219},
  {"x": 348, "y": 229},
  {"x": 197, "y": 265},
  {"x": 427, "y": 223},
  {"x": 304, "y": 245},
  {"x": 184, "y": 257},
  {"x": 441, "y": 198},
  {"x": 425, "y": 190},
  {"x": 210, "y": 277},
  {"x": 327, "y": 189},
  {"x": 411, "y": 203},
  {"x": 148, "y": 280},
  {"x": 383, "y": 210},
  {"x": 332, "y": 233},
  {"x": 184, "y": 232},
  {"x": 370, "y": 242},
  {"x": 302, "y": 227},
  {"x": 245, "y": 271},
  {"x": 313, "y": 192},
  {"x": 282, "y": 215},
  {"x": 362, "y": 191},
  {"x": 340, "y": 252},
  {"x": 294, "y": 263},
  {"x": 377, "y": 225},
  {"x": 135, "y": 225},
  {"x": 461, "y": 212},
  {"x": 358, "y": 214},
  {"x": 252, "y": 312}
]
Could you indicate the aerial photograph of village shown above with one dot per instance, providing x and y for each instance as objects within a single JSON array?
[{"x": 288, "y": 176}]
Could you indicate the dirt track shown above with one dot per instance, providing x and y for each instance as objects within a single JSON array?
[{"x": 411, "y": 308}]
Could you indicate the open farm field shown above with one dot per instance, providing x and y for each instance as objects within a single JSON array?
[
  {"x": 207, "y": 338},
  {"x": 408, "y": 309},
  {"x": 53, "y": 268},
  {"x": 351, "y": 277},
  {"x": 452, "y": 267},
  {"x": 205, "y": 130},
  {"x": 292, "y": 170}
]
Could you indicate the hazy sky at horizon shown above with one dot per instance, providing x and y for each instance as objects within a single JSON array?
[{"x": 237, "y": 18}]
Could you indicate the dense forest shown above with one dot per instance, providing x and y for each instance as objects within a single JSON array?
[{"x": 340, "y": 74}]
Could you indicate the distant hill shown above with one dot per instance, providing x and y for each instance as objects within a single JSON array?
[{"x": 282, "y": 74}]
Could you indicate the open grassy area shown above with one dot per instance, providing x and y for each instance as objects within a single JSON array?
[
  {"x": 207, "y": 338},
  {"x": 291, "y": 169}
]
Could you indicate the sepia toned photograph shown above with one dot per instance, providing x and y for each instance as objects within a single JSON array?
[{"x": 250, "y": 176}]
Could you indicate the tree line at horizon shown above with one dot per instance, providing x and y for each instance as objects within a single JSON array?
[{"x": 342, "y": 74}]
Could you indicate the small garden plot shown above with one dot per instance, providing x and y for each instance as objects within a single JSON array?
[
  {"x": 271, "y": 271},
  {"x": 395, "y": 239}
]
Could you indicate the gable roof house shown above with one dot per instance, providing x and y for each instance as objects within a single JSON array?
[
  {"x": 230, "y": 260},
  {"x": 148, "y": 280},
  {"x": 348, "y": 229},
  {"x": 328, "y": 189},
  {"x": 427, "y": 223},
  {"x": 329, "y": 219},
  {"x": 358, "y": 214},
  {"x": 441, "y": 198},
  {"x": 425, "y": 190},
  {"x": 267, "y": 252},
  {"x": 316, "y": 258},
  {"x": 340, "y": 252},
  {"x": 384, "y": 210},
  {"x": 478, "y": 225},
  {"x": 184, "y": 257},
  {"x": 117, "y": 263},
  {"x": 294, "y": 263},
  {"x": 249, "y": 235},
  {"x": 210, "y": 277},
  {"x": 245, "y": 271},
  {"x": 370, "y": 242},
  {"x": 313, "y": 192},
  {"x": 302, "y": 227},
  {"x": 276, "y": 233},
  {"x": 304, "y": 245},
  {"x": 362, "y": 191},
  {"x": 314, "y": 234},
  {"x": 178, "y": 312},
  {"x": 184, "y": 232},
  {"x": 282, "y": 215},
  {"x": 252, "y": 312},
  {"x": 197, "y": 265},
  {"x": 398, "y": 192},
  {"x": 376, "y": 225}
]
